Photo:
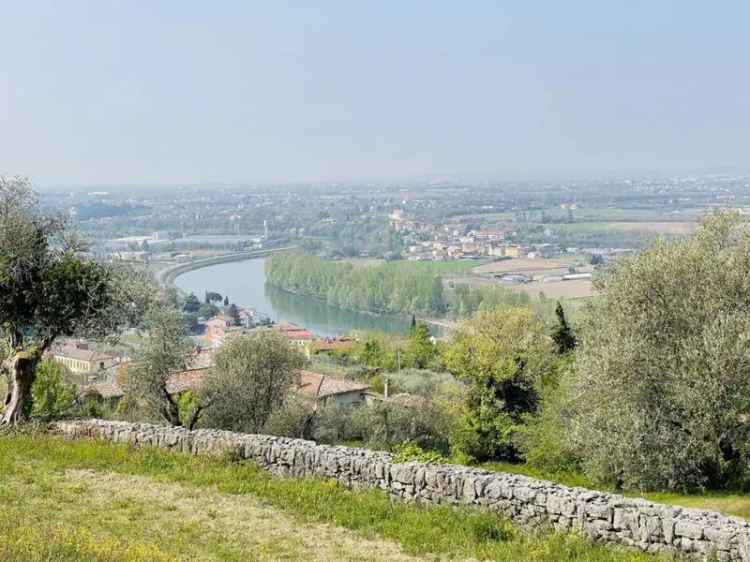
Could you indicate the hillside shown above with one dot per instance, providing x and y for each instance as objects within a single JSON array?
[{"x": 92, "y": 501}]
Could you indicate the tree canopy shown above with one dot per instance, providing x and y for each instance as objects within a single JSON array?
[
  {"x": 48, "y": 288},
  {"x": 164, "y": 352},
  {"x": 252, "y": 377},
  {"x": 663, "y": 373},
  {"x": 501, "y": 356},
  {"x": 395, "y": 287}
]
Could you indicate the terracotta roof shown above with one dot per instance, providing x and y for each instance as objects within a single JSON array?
[
  {"x": 79, "y": 352},
  {"x": 332, "y": 345},
  {"x": 105, "y": 389},
  {"x": 317, "y": 385},
  {"x": 293, "y": 332},
  {"x": 186, "y": 380},
  {"x": 299, "y": 335}
]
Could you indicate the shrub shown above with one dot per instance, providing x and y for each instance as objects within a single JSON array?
[
  {"x": 544, "y": 438},
  {"x": 404, "y": 419},
  {"x": 408, "y": 452},
  {"x": 91, "y": 404},
  {"x": 336, "y": 424},
  {"x": 501, "y": 356},
  {"x": 421, "y": 382},
  {"x": 53, "y": 397},
  {"x": 294, "y": 418}
]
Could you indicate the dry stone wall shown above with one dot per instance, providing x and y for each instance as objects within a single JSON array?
[{"x": 603, "y": 517}]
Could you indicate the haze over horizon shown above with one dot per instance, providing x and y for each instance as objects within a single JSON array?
[{"x": 190, "y": 92}]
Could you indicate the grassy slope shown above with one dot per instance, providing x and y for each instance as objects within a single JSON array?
[
  {"x": 94, "y": 501},
  {"x": 723, "y": 502}
]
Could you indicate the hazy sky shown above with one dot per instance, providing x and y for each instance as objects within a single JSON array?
[{"x": 215, "y": 91}]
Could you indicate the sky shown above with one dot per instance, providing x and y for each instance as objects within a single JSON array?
[{"x": 190, "y": 91}]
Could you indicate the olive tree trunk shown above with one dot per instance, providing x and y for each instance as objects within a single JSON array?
[{"x": 21, "y": 369}]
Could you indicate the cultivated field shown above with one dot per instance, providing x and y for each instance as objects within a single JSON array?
[
  {"x": 655, "y": 227},
  {"x": 574, "y": 289},
  {"x": 527, "y": 266},
  {"x": 650, "y": 227}
]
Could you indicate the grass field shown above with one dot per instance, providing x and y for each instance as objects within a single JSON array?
[
  {"x": 528, "y": 266},
  {"x": 101, "y": 502},
  {"x": 634, "y": 227},
  {"x": 574, "y": 289},
  {"x": 437, "y": 267}
]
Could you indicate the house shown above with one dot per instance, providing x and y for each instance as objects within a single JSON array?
[
  {"x": 79, "y": 359},
  {"x": 191, "y": 379},
  {"x": 221, "y": 327},
  {"x": 326, "y": 390},
  {"x": 329, "y": 345},
  {"x": 513, "y": 251},
  {"x": 297, "y": 335},
  {"x": 488, "y": 235},
  {"x": 216, "y": 329}
]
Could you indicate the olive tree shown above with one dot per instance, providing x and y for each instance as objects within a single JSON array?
[
  {"x": 48, "y": 289},
  {"x": 500, "y": 355},
  {"x": 163, "y": 353},
  {"x": 662, "y": 393},
  {"x": 252, "y": 377}
]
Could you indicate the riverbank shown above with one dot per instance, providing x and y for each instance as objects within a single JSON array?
[
  {"x": 168, "y": 276},
  {"x": 444, "y": 325}
]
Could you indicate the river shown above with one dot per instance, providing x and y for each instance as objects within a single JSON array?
[{"x": 244, "y": 282}]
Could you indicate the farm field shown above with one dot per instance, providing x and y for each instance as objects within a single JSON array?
[
  {"x": 673, "y": 228},
  {"x": 593, "y": 214},
  {"x": 574, "y": 289},
  {"x": 528, "y": 266}
]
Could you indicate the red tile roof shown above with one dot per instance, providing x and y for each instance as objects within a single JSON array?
[
  {"x": 316, "y": 385},
  {"x": 105, "y": 389},
  {"x": 191, "y": 379},
  {"x": 294, "y": 332},
  {"x": 333, "y": 345},
  {"x": 79, "y": 351}
]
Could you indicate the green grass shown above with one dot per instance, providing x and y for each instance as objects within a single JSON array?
[
  {"x": 44, "y": 515},
  {"x": 728, "y": 503},
  {"x": 434, "y": 267}
]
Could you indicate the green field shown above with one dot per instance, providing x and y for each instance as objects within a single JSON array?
[
  {"x": 628, "y": 227},
  {"x": 101, "y": 502},
  {"x": 438, "y": 267}
]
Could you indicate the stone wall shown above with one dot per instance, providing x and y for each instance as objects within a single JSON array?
[{"x": 603, "y": 517}]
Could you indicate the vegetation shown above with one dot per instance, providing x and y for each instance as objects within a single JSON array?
[
  {"x": 252, "y": 377},
  {"x": 660, "y": 395},
  {"x": 398, "y": 288},
  {"x": 52, "y": 396},
  {"x": 465, "y": 300},
  {"x": 562, "y": 335},
  {"x": 502, "y": 356},
  {"x": 164, "y": 352},
  {"x": 47, "y": 290},
  {"x": 122, "y": 488}
]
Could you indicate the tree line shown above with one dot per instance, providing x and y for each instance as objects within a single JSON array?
[{"x": 390, "y": 288}]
